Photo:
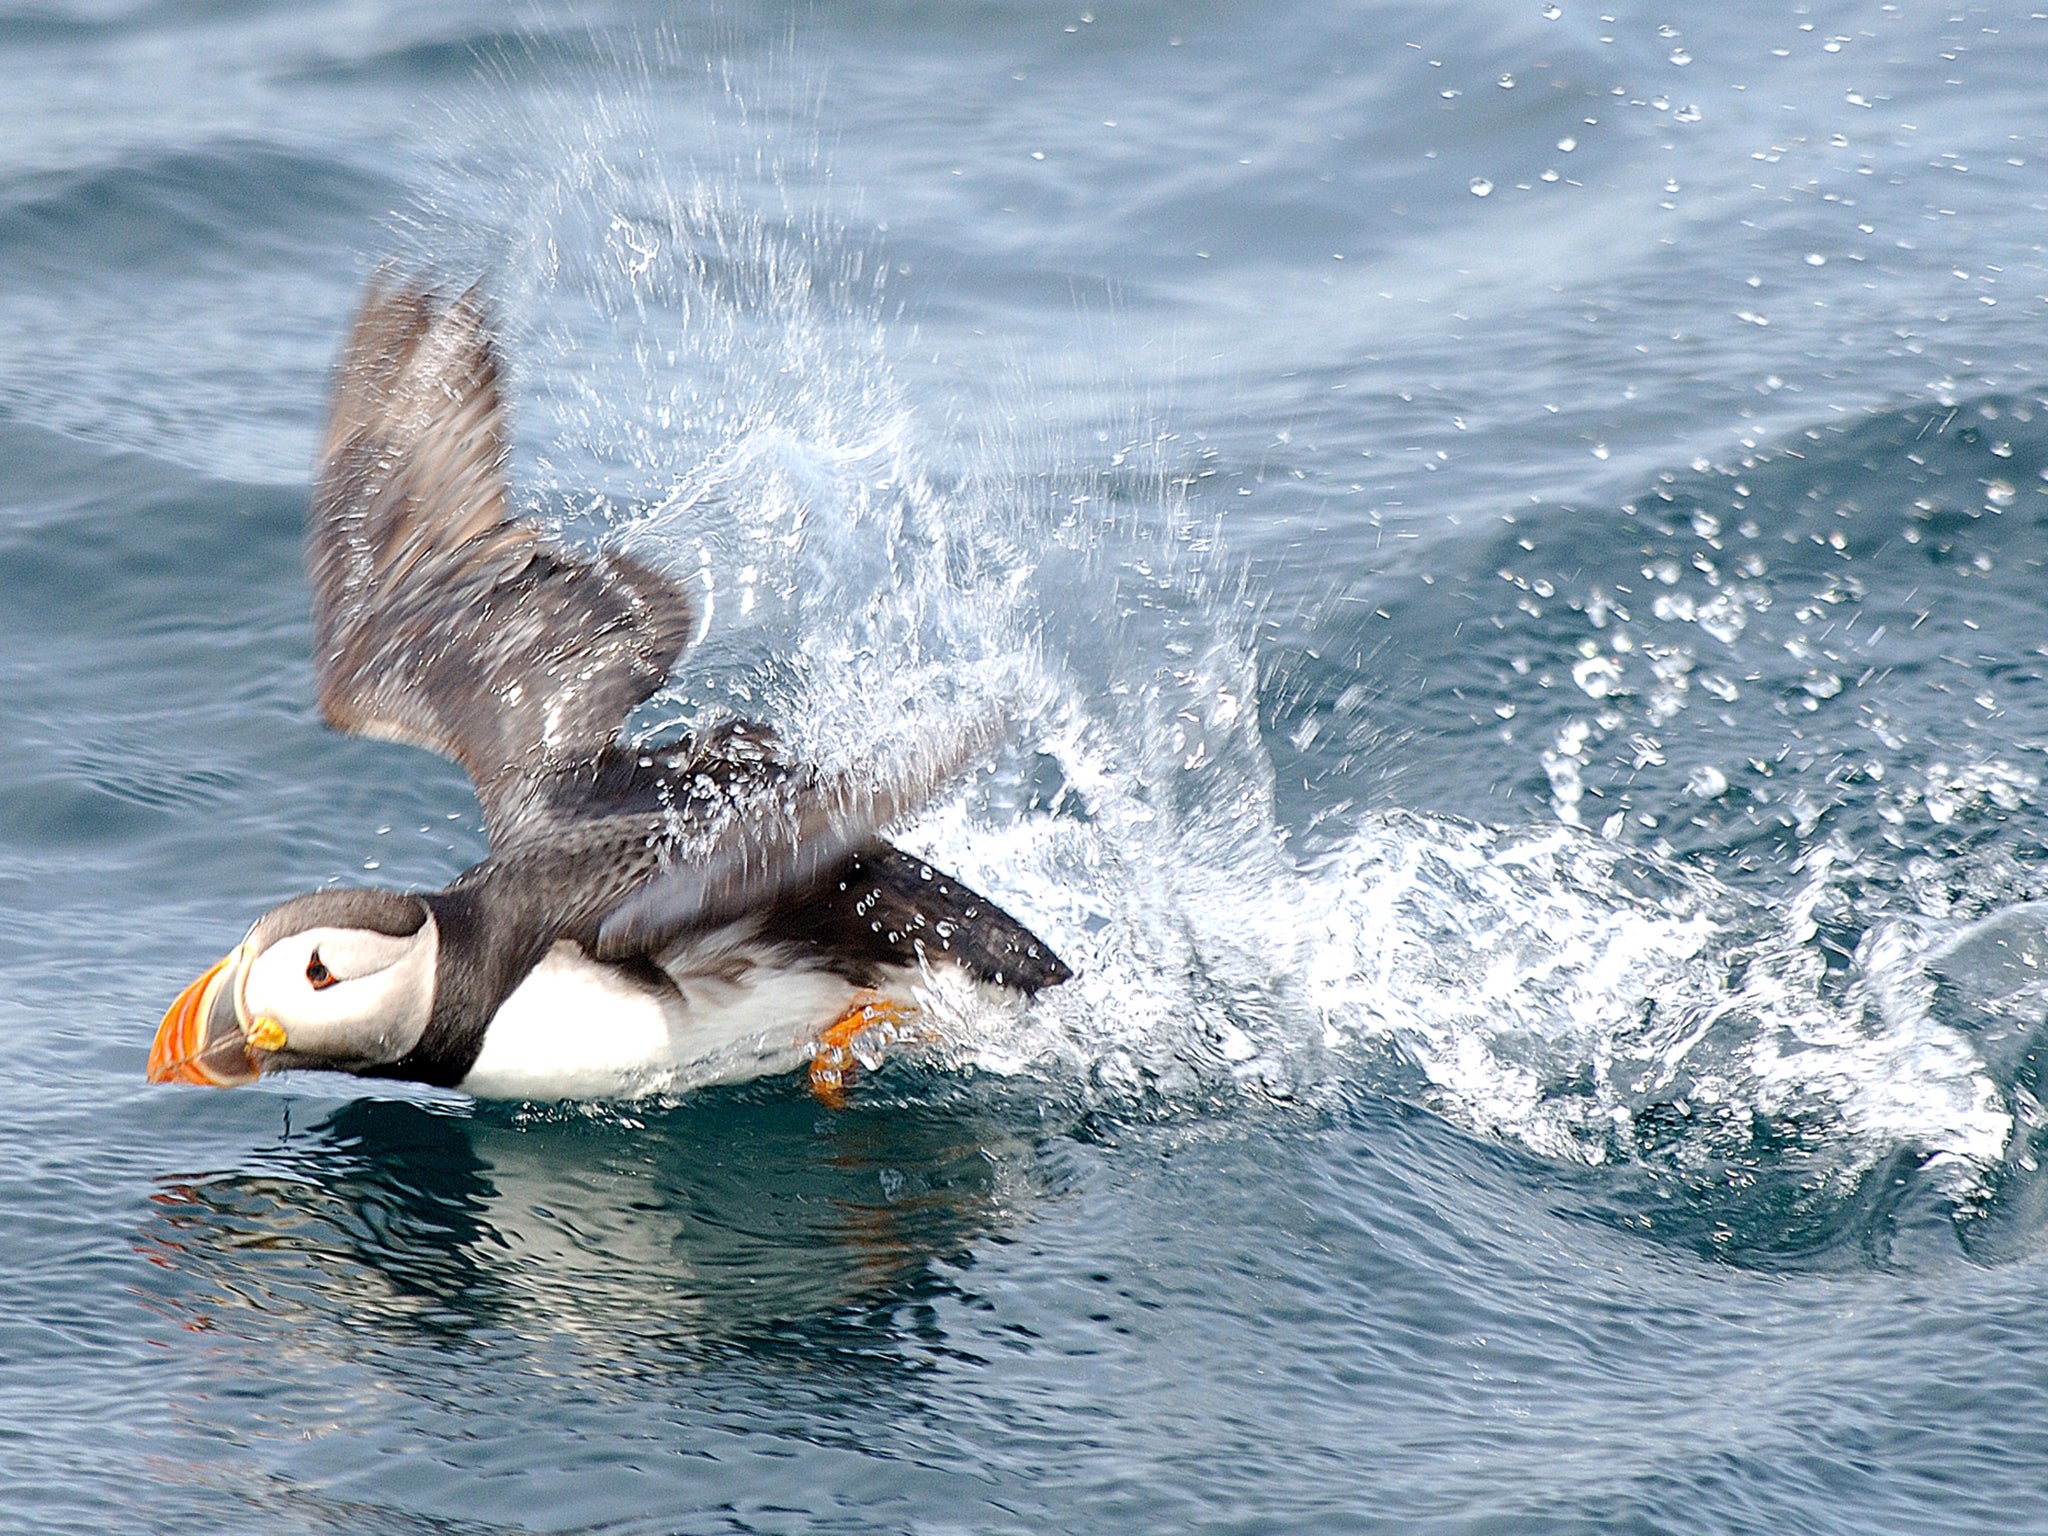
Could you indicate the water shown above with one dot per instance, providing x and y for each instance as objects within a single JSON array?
[{"x": 1510, "y": 535}]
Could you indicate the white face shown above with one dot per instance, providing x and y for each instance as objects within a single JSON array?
[{"x": 347, "y": 996}]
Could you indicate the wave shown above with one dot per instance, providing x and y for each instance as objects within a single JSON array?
[{"x": 166, "y": 211}]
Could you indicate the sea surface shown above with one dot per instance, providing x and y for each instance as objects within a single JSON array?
[{"x": 1512, "y": 536}]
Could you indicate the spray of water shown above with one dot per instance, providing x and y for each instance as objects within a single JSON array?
[{"x": 706, "y": 374}]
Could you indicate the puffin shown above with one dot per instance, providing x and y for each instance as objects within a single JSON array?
[{"x": 646, "y": 919}]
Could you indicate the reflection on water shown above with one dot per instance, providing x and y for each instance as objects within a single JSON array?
[{"x": 730, "y": 1221}]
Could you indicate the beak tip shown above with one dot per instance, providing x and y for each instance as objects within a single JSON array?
[{"x": 182, "y": 1051}]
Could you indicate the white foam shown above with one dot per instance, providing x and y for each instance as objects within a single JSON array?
[{"x": 1547, "y": 988}]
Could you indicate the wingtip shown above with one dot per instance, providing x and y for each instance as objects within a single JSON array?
[
  {"x": 400, "y": 312},
  {"x": 418, "y": 366},
  {"x": 390, "y": 321}
]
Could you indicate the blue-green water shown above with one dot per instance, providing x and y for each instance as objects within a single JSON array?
[{"x": 1512, "y": 536}]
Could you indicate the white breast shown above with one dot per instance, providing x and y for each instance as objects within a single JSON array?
[{"x": 576, "y": 1029}]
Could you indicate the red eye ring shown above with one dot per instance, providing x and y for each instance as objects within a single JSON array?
[{"x": 318, "y": 975}]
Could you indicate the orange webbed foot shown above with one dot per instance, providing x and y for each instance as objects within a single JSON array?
[{"x": 834, "y": 1059}]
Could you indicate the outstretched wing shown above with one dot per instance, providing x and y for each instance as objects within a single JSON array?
[{"x": 437, "y": 619}]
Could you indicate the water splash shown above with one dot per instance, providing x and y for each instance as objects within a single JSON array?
[{"x": 713, "y": 378}]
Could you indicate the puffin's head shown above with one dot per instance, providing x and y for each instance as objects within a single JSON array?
[{"x": 338, "y": 979}]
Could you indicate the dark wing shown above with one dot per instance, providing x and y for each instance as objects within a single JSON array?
[
  {"x": 438, "y": 620},
  {"x": 884, "y": 908},
  {"x": 736, "y": 841}
]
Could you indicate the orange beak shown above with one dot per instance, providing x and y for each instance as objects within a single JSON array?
[{"x": 201, "y": 1038}]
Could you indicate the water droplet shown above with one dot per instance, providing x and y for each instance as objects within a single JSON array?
[
  {"x": 1815, "y": 259},
  {"x": 1687, "y": 114},
  {"x": 1507, "y": 82},
  {"x": 1680, "y": 57},
  {"x": 1598, "y": 677},
  {"x": 1567, "y": 144},
  {"x": 1552, "y": 12},
  {"x": 1481, "y": 187}
]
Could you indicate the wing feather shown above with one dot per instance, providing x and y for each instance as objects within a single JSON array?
[
  {"x": 438, "y": 619},
  {"x": 770, "y": 837}
]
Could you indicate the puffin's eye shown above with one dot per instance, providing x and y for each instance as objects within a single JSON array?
[{"x": 318, "y": 974}]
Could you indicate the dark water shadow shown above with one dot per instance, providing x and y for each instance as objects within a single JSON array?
[
  {"x": 752, "y": 1220},
  {"x": 1784, "y": 1198},
  {"x": 1774, "y": 1212},
  {"x": 1791, "y": 1196}
]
